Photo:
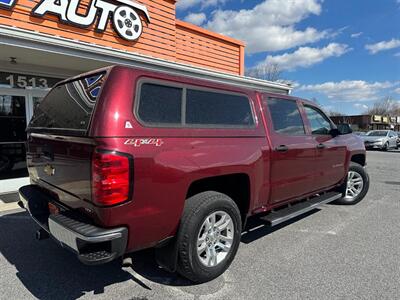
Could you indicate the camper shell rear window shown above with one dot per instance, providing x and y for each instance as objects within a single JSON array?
[{"x": 69, "y": 106}]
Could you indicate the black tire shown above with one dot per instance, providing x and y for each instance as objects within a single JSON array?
[
  {"x": 386, "y": 147},
  {"x": 360, "y": 170},
  {"x": 197, "y": 208}
]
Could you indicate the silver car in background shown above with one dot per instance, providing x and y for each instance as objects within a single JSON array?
[{"x": 380, "y": 139}]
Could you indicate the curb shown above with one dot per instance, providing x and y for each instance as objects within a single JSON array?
[{"x": 9, "y": 206}]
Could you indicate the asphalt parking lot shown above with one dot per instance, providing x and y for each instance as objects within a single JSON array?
[{"x": 335, "y": 252}]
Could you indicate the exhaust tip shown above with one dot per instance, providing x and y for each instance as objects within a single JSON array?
[{"x": 127, "y": 262}]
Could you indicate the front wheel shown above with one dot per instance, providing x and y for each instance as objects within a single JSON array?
[
  {"x": 209, "y": 236},
  {"x": 356, "y": 185},
  {"x": 386, "y": 147}
]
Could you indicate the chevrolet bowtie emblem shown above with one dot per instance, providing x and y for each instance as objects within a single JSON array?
[{"x": 49, "y": 170}]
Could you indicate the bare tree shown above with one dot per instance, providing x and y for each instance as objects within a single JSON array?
[
  {"x": 330, "y": 112},
  {"x": 385, "y": 106},
  {"x": 333, "y": 113},
  {"x": 315, "y": 100},
  {"x": 270, "y": 72}
]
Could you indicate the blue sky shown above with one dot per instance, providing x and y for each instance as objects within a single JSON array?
[{"x": 345, "y": 53}]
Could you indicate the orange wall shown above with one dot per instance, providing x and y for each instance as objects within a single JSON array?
[
  {"x": 165, "y": 37},
  {"x": 197, "y": 46}
]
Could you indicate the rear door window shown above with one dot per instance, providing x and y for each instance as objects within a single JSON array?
[
  {"x": 69, "y": 106},
  {"x": 286, "y": 117}
]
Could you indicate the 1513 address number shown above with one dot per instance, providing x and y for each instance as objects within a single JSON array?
[{"x": 22, "y": 81}]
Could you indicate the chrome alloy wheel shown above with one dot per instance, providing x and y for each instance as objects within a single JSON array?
[
  {"x": 215, "y": 238},
  {"x": 355, "y": 184}
]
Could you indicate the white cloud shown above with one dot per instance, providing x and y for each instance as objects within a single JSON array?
[
  {"x": 381, "y": 46},
  {"x": 360, "y": 105},
  {"x": 327, "y": 108},
  {"x": 356, "y": 35},
  {"x": 185, "y": 4},
  {"x": 398, "y": 89},
  {"x": 350, "y": 90},
  {"x": 270, "y": 25},
  {"x": 197, "y": 19},
  {"x": 306, "y": 56}
]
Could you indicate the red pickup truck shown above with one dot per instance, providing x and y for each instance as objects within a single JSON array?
[{"x": 124, "y": 159}]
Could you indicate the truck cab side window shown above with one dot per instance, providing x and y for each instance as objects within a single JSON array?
[
  {"x": 285, "y": 116},
  {"x": 319, "y": 123}
]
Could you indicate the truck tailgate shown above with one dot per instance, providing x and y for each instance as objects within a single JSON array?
[
  {"x": 62, "y": 165},
  {"x": 59, "y": 148}
]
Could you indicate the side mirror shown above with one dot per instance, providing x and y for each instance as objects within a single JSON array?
[{"x": 335, "y": 132}]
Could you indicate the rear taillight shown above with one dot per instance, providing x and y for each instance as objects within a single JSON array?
[{"x": 111, "y": 178}]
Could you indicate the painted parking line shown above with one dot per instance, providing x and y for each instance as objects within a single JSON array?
[{"x": 8, "y": 206}]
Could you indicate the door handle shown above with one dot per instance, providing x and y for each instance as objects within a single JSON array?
[
  {"x": 282, "y": 148},
  {"x": 321, "y": 146}
]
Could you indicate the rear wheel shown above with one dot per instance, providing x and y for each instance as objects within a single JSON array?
[
  {"x": 209, "y": 236},
  {"x": 356, "y": 185}
]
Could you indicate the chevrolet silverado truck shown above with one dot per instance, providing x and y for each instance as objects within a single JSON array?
[{"x": 124, "y": 159}]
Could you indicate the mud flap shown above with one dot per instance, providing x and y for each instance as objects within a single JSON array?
[{"x": 167, "y": 255}]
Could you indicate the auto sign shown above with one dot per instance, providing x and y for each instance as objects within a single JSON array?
[{"x": 125, "y": 19}]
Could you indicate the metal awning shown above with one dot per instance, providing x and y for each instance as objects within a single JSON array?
[{"x": 35, "y": 41}]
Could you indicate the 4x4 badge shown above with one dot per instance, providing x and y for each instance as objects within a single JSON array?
[{"x": 140, "y": 142}]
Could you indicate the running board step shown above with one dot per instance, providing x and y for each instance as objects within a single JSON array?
[{"x": 277, "y": 217}]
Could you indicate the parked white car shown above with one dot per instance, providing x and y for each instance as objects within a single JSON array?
[{"x": 380, "y": 139}]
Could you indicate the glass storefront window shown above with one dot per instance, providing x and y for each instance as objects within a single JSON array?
[
  {"x": 20, "y": 94},
  {"x": 12, "y": 136}
]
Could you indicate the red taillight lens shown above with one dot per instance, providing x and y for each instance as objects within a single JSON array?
[{"x": 110, "y": 178}]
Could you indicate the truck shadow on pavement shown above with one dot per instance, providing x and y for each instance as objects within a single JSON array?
[
  {"x": 257, "y": 228},
  {"x": 47, "y": 270},
  {"x": 50, "y": 272}
]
